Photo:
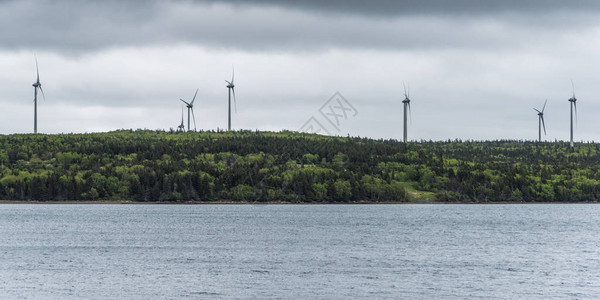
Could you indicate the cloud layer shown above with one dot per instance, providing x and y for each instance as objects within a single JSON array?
[
  {"x": 380, "y": 8},
  {"x": 82, "y": 26}
]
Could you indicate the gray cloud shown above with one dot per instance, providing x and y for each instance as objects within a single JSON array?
[
  {"x": 82, "y": 26},
  {"x": 430, "y": 7}
]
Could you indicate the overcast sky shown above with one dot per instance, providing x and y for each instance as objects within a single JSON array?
[{"x": 476, "y": 69}]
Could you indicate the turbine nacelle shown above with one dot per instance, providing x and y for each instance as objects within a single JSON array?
[{"x": 188, "y": 105}]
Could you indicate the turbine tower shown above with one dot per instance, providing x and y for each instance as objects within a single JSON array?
[
  {"x": 36, "y": 85},
  {"x": 541, "y": 121},
  {"x": 181, "y": 127},
  {"x": 573, "y": 101},
  {"x": 406, "y": 102},
  {"x": 231, "y": 89},
  {"x": 190, "y": 107}
]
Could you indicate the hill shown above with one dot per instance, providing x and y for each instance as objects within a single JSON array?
[{"x": 248, "y": 166}]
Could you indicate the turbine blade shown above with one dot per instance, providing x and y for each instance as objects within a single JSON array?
[
  {"x": 573, "y": 87},
  {"x": 37, "y": 69},
  {"x": 232, "y": 73},
  {"x": 193, "y": 118},
  {"x": 194, "y": 99},
  {"x": 543, "y": 124},
  {"x": 543, "y": 108},
  {"x": 184, "y": 101},
  {"x": 234, "y": 101},
  {"x": 404, "y": 85},
  {"x": 41, "y": 90},
  {"x": 537, "y": 110},
  {"x": 409, "y": 112}
]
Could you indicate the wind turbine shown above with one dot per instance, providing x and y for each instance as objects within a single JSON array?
[
  {"x": 190, "y": 107},
  {"x": 541, "y": 120},
  {"x": 406, "y": 102},
  {"x": 181, "y": 127},
  {"x": 36, "y": 85},
  {"x": 231, "y": 89},
  {"x": 573, "y": 101}
]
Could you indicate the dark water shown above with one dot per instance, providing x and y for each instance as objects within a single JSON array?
[{"x": 307, "y": 251}]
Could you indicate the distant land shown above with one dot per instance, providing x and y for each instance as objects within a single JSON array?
[{"x": 290, "y": 167}]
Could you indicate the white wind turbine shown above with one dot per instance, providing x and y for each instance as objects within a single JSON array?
[
  {"x": 573, "y": 101},
  {"x": 181, "y": 127},
  {"x": 406, "y": 103},
  {"x": 541, "y": 121},
  {"x": 36, "y": 85},
  {"x": 190, "y": 107},
  {"x": 231, "y": 89}
]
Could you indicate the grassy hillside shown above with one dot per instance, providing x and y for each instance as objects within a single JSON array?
[{"x": 293, "y": 167}]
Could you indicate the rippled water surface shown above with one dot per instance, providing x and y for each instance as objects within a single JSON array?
[{"x": 299, "y": 251}]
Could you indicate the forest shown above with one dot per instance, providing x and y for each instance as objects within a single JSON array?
[{"x": 290, "y": 167}]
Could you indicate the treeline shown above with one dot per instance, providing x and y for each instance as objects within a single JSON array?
[{"x": 293, "y": 167}]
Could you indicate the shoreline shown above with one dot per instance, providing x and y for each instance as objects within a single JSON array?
[{"x": 126, "y": 202}]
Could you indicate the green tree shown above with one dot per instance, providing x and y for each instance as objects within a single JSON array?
[{"x": 342, "y": 189}]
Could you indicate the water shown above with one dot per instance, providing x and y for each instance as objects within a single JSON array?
[{"x": 299, "y": 251}]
